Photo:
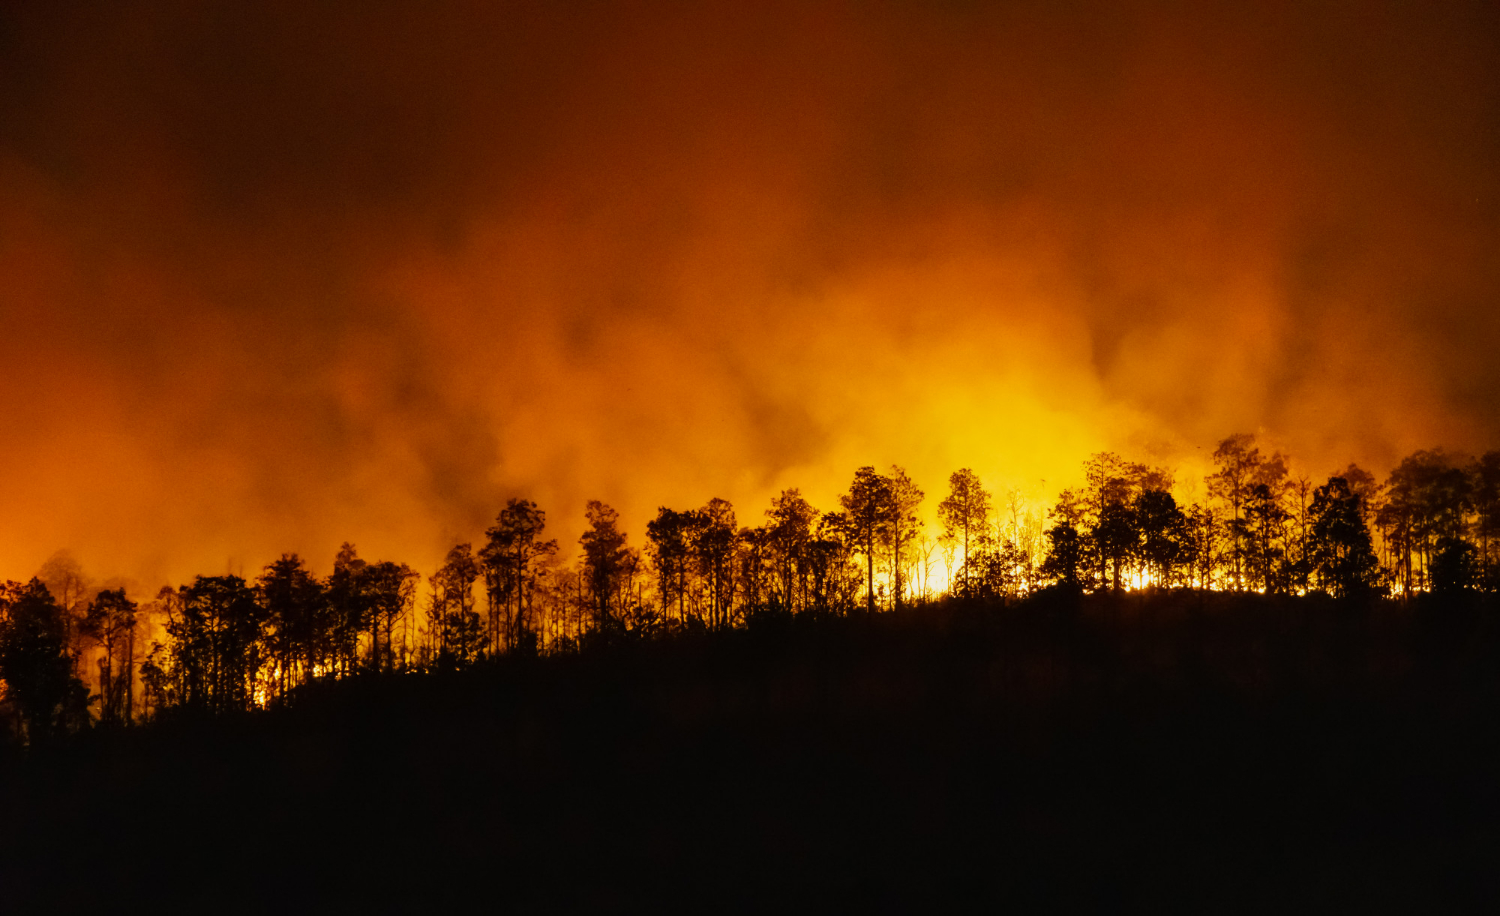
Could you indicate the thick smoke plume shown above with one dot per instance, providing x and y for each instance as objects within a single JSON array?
[{"x": 278, "y": 275}]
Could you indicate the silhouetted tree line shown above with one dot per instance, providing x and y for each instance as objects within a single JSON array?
[
  {"x": 222, "y": 644},
  {"x": 1430, "y": 527}
]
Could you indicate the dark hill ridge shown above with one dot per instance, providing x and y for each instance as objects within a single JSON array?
[{"x": 1230, "y": 752}]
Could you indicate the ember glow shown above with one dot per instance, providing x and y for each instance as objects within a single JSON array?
[{"x": 278, "y": 276}]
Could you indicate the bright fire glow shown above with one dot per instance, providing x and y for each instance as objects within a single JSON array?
[{"x": 655, "y": 255}]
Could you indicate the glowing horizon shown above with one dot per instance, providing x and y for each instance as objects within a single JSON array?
[{"x": 277, "y": 279}]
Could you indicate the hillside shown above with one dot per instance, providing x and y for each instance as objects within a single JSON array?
[{"x": 1230, "y": 752}]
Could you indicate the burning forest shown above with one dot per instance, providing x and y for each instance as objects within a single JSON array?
[{"x": 761, "y": 452}]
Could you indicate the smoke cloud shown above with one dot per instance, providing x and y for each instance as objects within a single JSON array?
[{"x": 275, "y": 276}]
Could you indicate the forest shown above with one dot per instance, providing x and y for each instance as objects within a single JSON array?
[
  {"x": 1287, "y": 694},
  {"x": 220, "y": 644}
]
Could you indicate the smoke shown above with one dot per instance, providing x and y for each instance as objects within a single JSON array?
[{"x": 277, "y": 276}]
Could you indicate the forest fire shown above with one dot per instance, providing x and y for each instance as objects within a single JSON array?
[
  {"x": 267, "y": 327},
  {"x": 788, "y": 438},
  {"x": 223, "y": 642},
  {"x": 371, "y": 296}
]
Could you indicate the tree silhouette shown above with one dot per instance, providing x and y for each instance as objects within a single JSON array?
[
  {"x": 965, "y": 516},
  {"x": 1066, "y": 555},
  {"x": 349, "y": 607},
  {"x": 996, "y": 573},
  {"x": 391, "y": 589},
  {"x": 459, "y": 631},
  {"x": 1343, "y": 560},
  {"x": 1238, "y": 462},
  {"x": 69, "y": 586},
  {"x": 789, "y": 532},
  {"x": 229, "y": 647},
  {"x": 1201, "y": 545},
  {"x": 1163, "y": 534},
  {"x": 298, "y": 617},
  {"x": 904, "y": 527},
  {"x": 1455, "y": 566},
  {"x": 754, "y": 567},
  {"x": 1105, "y": 514},
  {"x": 1485, "y": 496},
  {"x": 605, "y": 556},
  {"x": 868, "y": 509},
  {"x": 111, "y": 620},
  {"x": 1427, "y": 498},
  {"x": 216, "y": 648},
  {"x": 1116, "y": 538},
  {"x": 713, "y": 545},
  {"x": 1264, "y": 530},
  {"x": 835, "y": 578},
  {"x": 511, "y": 559},
  {"x": 1298, "y": 534},
  {"x": 669, "y": 542},
  {"x": 36, "y": 666}
]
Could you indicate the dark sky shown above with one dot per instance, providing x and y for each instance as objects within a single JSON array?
[{"x": 277, "y": 275}]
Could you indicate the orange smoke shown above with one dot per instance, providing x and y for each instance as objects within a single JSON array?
[{"x": 280, "y": 277}]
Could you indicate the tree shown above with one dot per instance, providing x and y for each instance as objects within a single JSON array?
[
  {"x": 868, "y": 509},
  {"x": 1259, "y": 539},
  {"x": 904, "y": 526},
  {"x": 965, "y": 516},
  {"x": 1299, "y": 562},
  {"x": 511, "y": 558},
  {"x": 752, "y": 567},
  {"x": 1107, "y": 505},
  {"x": 236, "y": 635},
  {"x": 459, "y": 630},
  {"x": 111, "y": 619},
  {"x": 1080, "y": 557},
  {"x": 1428, "y": 497},
  {"x": 1116, "y": 538},
  {"x": 835, "y": 578},
  {"x": 1070, "y": 508},
  {"x": 604, "y": 557},
  {"x": 789, "y": 532},
  {"x": 1238, "y": 460},
  {"x": 669, "y": 542},
  {"x": 348, "y": 607},
  {"x": 1022, "y": 527},
  {"x": 66, "y": 582},
  {"x": 1455, "y": 566},
  {"x": 1485, "y": 496},
  {"x": 35, "y": 664},
  {"x": 391, "y": 589},
  {"x": 1163, "y": 532},
  {"x": 1339, "y": 548},
  {"x": 713, "y": 543},
  {"x": 161, "y": 676},
  {"x": 1065, "y": 557},
  {"x": 1264, "y": 529},
  {"x": 1202, "y": 535},
  {"x": 215, "y": 649},
  {"x": 69, "y": 585},
  {"x": 297, "y": 616},
  {"x": 993, "y": 574}
]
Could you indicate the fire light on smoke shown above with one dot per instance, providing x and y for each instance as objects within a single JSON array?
[{"x": 277, "y": 277}]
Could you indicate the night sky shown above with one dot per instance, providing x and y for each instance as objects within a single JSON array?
[{"x": 278, "y": 275}]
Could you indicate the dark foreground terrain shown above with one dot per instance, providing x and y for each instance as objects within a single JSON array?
[{"x": 1219, "y": 753}]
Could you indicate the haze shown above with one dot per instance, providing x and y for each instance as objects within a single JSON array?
[{"x": 275, "y": 277}]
